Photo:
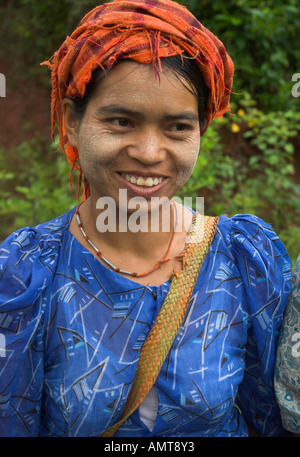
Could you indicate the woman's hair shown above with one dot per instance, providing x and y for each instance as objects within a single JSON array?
[{"x": 181, "y": 67}]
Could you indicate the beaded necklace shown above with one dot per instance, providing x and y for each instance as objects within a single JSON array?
[{"x": 119, "y": 270}]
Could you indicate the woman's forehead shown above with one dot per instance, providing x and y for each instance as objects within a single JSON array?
[{"x": 139, "y": 85}]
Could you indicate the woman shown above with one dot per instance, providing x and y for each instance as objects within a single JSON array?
[
  {"x": 116, "y": 324},
  {"x": 287, "y": 369}
]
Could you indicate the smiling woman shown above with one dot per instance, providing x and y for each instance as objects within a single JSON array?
[
  {"x": 149, "y": 332},
  {"x": 119, "y": 134}
]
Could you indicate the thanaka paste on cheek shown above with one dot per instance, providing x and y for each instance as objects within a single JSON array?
[
  {"x": 99, "y": 149},
  {"x": 94, "y": 142}
]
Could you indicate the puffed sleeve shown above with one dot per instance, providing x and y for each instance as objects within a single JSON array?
[
  {"x": 265, "y": 270},
  {"x": 287, "y": 369},
  {"x": 27, "y": 262}
]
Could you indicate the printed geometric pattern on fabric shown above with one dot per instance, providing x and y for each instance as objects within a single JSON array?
[
  {"x": 287, "y": 369},
  {"x": 74, "y": 330}
]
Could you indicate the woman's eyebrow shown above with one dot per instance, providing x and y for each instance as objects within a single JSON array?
[
  {"x": 187, "y": 116},
  {"x": 115, "y": 109}
]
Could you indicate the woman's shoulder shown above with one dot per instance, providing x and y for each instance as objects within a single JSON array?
[
  {"x": 243, "y": 231},
  {"x": 256, "y": 248},
  {"x": 245, "y": 223},
  {"x": 28, "y": 238},
  {"x": 255, "y": 245},
  {"x": 28, "y": 257}
]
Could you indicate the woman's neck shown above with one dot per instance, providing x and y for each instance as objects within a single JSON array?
[{"x": 136, "y": 251}]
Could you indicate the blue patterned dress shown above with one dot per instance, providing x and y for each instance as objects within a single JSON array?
[
  {"x": 287, "y": 368},
  {"x": 73, "y": 330}
]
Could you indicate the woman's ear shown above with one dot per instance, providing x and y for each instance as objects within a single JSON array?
[{"x": 71, "y": 121}]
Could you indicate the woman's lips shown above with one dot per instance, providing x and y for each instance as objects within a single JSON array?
[{"x": 141, "y": 185}]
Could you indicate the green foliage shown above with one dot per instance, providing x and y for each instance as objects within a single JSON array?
[
  {"x": 39, "y": 26},
  {"x": 32, "y": 25},
  {"x": 262, "y": 38},
  {"x": 34, "y": 186}
]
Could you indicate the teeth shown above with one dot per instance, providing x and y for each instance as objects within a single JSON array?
[
  {"x": 143, "y": 181},
  {"x": 149, "y": 182},
  {"x": 140, "y": 181},
  {"x": 131, "y": 179}
]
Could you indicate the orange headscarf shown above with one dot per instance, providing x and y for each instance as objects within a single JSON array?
[{"x": 143, "y": 31}]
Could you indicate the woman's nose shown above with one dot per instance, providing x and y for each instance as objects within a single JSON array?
[{"x": 148, "y": 147}]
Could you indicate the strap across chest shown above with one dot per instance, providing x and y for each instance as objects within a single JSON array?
[{"x": 171, "y": 315}]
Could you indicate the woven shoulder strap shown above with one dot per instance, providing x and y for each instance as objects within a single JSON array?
[{"x": 170, "y": 317}]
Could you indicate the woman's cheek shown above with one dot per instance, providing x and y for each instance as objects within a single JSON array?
[
  {"x": 95, "y": 147},
  {"x": 187, "y": 160}
]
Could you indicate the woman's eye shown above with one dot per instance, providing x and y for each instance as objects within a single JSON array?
[
  {"x": 120, "y": 122},
  {"x": 179, "y": 128}
]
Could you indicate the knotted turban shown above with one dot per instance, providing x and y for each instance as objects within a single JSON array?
[{"x": 144, "y": 31}]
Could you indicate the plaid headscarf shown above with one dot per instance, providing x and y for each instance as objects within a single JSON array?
[{"x": 143, "y": 31}]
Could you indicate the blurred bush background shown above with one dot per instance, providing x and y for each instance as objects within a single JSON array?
[{"x": 249, "y": 160}]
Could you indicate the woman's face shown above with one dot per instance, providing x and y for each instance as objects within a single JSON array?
[{"x": 138, "y": 134}]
